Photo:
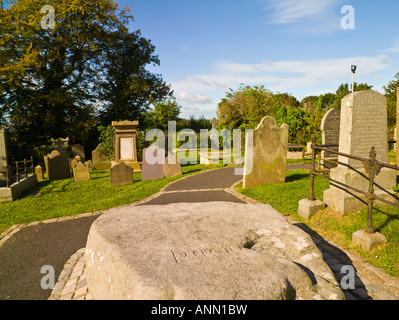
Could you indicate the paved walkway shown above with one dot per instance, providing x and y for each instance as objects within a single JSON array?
[{"x": 59, "y": 240}]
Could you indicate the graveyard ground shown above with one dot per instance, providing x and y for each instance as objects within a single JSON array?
[
  {"x": 61, "y": 198},
  {"x": 285, "y": 197}
]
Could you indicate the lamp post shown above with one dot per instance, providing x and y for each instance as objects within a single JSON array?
[{"x": 353, "y": 68}]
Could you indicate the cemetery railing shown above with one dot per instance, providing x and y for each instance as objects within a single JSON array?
[
  {"x": 372, "y": 167},
  {"x": 21, "y": 170}
]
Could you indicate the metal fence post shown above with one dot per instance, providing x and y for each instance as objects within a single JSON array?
[
  {"x": 372, "y": 169},
  {"x": 312, "y": 169}
]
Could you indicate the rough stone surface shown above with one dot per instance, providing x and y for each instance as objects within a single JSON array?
[
  {"x": 204, "y": 251},
  {"x": 363, "y": 125},
  {"x": 266, "y": 154},
  {"x": 121, "y": 174},
  {"x": 307, "y": 208},
  {"x": 368, "y": 241}
]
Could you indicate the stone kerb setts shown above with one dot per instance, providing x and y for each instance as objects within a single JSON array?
[{"x": 204, "y": 251}]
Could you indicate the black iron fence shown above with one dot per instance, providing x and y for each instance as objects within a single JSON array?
[
  {"x": 18, "y": 170},
  {"x": 372, "y": 167}
]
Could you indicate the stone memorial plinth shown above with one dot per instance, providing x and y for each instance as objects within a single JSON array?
[
  {"x": 363, "y": 125},
  {"x": 329, "y": 127},
  {"x": 125, "y": 143},
  {"x": 266, "y": 154},
  {"x": 204, "y": 251}
]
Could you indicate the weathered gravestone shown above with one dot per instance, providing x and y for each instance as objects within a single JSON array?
[
  {"x": 197, "y": 252},
  {"x": 57, "y": 165},
  {"x": 121, "y": 174},
  {"x": 3, "y": 157},
  {"x": 171, "y": 167},
  {"x": 39, "y": 172},
  {"x": 152, "y": 165},
  {"x": 266, "y": 154},
  {"x": 79, "y": 150},
  {"x": 363, "y": 125},
  {"x": 330, "y": 136},
  {"x": 81, "y": 172}
]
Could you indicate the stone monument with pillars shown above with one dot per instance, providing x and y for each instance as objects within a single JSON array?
[
  {"x": 363, "y": 126},
  {"x": 125, "y": 143}
]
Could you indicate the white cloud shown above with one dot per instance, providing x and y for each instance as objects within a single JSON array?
[
  {"x": 280, "y": 76},
  {"x": 197, "y": 98},
  {"x": 304, "y": 16},
  {"x": 290, "y": 11}
]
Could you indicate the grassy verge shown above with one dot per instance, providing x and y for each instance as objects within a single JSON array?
[
  {"x": 65, "y": 197},
  {"x": 333, "y": 226}
]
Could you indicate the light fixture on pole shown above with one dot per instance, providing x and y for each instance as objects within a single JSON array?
[{"x": 353, "y": 68}]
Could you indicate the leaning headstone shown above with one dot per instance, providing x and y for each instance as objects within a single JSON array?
[
  {"x": 363, "y": 125},
  {"x": 121, "y": 174},
  {"x": 81, "y": 172},
  {"x": 78, "y": 150},
  {"x": 39, "y": 172},
  {"x": 172, "y": 167},
  {"x": 266, "y": 154},
  {"x": 57, "y": 166},
  {"x": 204, "y": 251},
  {"x": 153, "y": 161},
  {"x": 330, "y": 136}
]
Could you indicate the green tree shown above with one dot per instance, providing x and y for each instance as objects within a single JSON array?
[
  {"x": 391, "y": 95},
  {"x": 127, "y": 87},
  {"x": 164, "y": 111},
  {"x": 345, "y": 89}
]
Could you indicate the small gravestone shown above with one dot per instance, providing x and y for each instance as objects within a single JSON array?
[
  {"x": 80, "y": 172},
  {"x": 78, "y": 150},
  {"x": 266, "y": 154},
  {"x": 121, "y": 174},
  {"x": 153, "y": 161},
  {"x": 57, "y": 165},
  {"x": 330, "y": 136},
  {"x": 172, "y": 167},
  {"x": 363, "y": 125},
  {"x": 39, "y": 172}
]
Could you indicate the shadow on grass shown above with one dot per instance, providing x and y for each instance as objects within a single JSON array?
[{"x": 296, "y": 177}]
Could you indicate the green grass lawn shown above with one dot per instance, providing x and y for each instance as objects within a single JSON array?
[
  {"x": 65, "y": 197},
  {"x": 333, "y": 226}
]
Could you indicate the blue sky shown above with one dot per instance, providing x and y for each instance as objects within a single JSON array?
[{"x": 295, "y": 46}]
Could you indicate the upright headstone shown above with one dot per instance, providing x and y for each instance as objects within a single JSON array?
[
  {"x": 57, "y": 166},
  {"x": 121, "y": 174},
  {"x": 363, "y": 126},
  {"x": 330, "y": 136},
  {"x": 125, "y": 143},
  {"x": 39, "y": 172},
  {"x": 172, "y": 167},
  {"x": 79, "y": 150},
  {"x": 396, "y": 130},
  {"x": 81, "y": 172},
  {"x": 266, "y": 154},
  {"x": 153, "y": 161},
  {"x": 3, "y": 156}
]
